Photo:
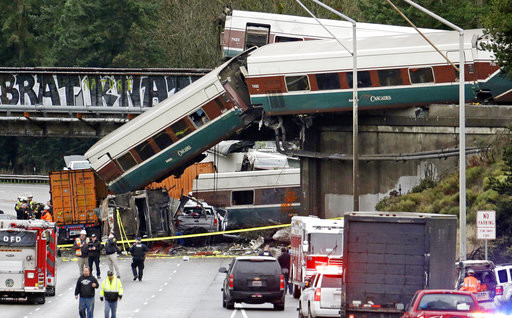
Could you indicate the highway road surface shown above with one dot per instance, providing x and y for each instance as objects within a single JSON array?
[{"x": 171, "y": 287}]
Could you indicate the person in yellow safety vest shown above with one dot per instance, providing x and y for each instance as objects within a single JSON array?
[
  {"x": 81, "y": 246},
  {"x": 112, "y": 290},
  {"x": 471, "y": 284},
  {"x": 47, "y": 216}
]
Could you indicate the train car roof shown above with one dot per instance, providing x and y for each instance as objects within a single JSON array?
[
  {"x": 156, "y": 111},
  {"x": 380, "y": 51},
  {"x": 308, "y": 26}
]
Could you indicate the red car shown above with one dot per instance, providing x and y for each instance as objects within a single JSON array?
[{"x": 442, "y": 302}]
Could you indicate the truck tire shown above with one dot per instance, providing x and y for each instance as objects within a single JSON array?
[
  {"x": 223, "y": 300},
  {"x": 230, "y": 304},
  {"x": 36, "y": 299},
  {"x": 50, "y": 291},
  {"x": 296, "y": 291}
]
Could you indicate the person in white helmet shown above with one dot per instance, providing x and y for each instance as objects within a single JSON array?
[{"x": 81, "y": 246}]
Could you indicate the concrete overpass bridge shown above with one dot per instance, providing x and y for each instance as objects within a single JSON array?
[{"x": 82, "y": 102}]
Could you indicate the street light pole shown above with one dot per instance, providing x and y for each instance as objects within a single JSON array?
[
  {"x": 462, "y": 129},
  {"x": 355, "y": 126}
]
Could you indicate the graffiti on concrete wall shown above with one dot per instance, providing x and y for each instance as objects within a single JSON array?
[{"x": 127, "y": 90}]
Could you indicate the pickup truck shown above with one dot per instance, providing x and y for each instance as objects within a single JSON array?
[{"x": 194, "y": 217}]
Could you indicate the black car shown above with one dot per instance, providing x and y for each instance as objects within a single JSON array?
[{"x": 253, "y": 280}]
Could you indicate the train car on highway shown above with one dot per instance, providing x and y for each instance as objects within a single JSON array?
[
  {"x": 175, "y": 133},
  {"x": 393, "y": 71},
  {"x": 245, "y": 29}
]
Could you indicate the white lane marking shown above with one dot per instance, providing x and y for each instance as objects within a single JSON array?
[
  {"x": 37, "y": 308},
  {"x": 166, "y": 284},
  {"x": 136, "y": 310},
  {"x": 160, "y": 290},
  {"x": 243, "y": 313},
  {"x": 234, "y": 313},
  {"x": 70, "y": 288},
  {"x": 146, "y": 303},
  {"x": 59, "y": 295},
  {"x": 174, "y": 272},
  {"x": 153, "y": 296},
  {"x": 178, "y": 265}
]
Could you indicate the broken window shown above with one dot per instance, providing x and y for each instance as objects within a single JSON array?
[
  {"x": 126, "y": 161},
  {"x": 144, "y": 150},
  {"x": 421, "y": 75},
  {"x": 286, "y": 39},
  {"x": 163, "y": 140},
  {"x": 199, "y": 118},
  {"x": 256, "y": 35},
  {"x": 181, "y": 128},
  {"x": 297, "y": 83},
  {"x": 242, "y": 197}
]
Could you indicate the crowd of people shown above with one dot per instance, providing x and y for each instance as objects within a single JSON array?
[
  {"x": 28, "y": 209},
  {"x": 87, "y": 251}
]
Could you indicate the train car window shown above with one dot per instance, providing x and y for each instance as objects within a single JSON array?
[
  {"x": 242, "y": 197},
  {"x": 144, "y": 150},
  {"x": 199, "y": 118},
  {"x": 256, "y": 35},
  {"x": 363, "y": 79},
  {"x": 181, "y": 129},
  {"x": 390, "y": 77},
  {"x": 421, "y": 75},
  {"x": 126, "y": 161},
  {"x": 163, "y": 140},
  {"x": 221, "y": 105},
  {"x": 286, "y": 39},
  {"x": 297, "y": 83},
  {"x": 328, "y": 81}
]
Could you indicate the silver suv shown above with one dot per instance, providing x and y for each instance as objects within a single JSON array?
[{"x": 194, "y": 217}]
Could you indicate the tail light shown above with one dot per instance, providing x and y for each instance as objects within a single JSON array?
[
  {"x": 231, "y": 280},
  {"x": 177, "y": 222},
  {"x": 214, "y": 222},
  {"x": 281, "y": 282},
  {"x": 318, "y": 293},
  {"x": 499, "y": 290}
]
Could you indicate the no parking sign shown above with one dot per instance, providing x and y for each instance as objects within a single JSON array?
[{"x": 486, "y": 225}]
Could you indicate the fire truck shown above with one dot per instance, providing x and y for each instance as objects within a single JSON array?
[
  {"x": 27, "y": 259},
  {"x": 315, "y": 243}
]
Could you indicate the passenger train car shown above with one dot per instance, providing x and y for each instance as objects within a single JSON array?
[
  {"x": 173, "y": 134},
  {"x": 245, "y": 29},
  {"x": 393, "y": 71}
]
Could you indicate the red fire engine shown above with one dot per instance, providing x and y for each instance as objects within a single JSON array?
[
  {"x": 27, "y": 259},
  {"x": 314, "y": 243}
]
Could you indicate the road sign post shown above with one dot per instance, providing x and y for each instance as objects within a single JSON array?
[{"x": 486, "y": 226}]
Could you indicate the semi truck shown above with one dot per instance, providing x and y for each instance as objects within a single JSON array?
[
  {"x": 389, "y": 256},
  {"x": 315, "y": 243},
  {"x": 27, "y": 259},
  {"x": 76, "y": 196}
]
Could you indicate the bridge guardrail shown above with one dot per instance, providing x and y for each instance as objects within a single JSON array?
[{"x": 28, "y": 178}]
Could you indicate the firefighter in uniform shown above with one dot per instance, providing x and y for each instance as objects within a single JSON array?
[
  {"x": 138, "y": 251},
  {"x": 81, "y": 246},
  {"x": 471, "y": 284},
  {"x": 46, "y": 215},
  {"x": 112, "y": 290}
]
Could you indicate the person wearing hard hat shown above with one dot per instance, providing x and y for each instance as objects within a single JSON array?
[
  {"x": 81, "y": 246},
  {"x": 471, "y": 284},
  {"x": 46, "y": 215}
]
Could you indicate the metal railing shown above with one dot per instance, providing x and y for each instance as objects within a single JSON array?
[{"x": 27, "y": 178}]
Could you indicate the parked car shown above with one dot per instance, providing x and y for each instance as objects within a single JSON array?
[
  {"x": 484, "y": 272},
  {"x": 503, "y": 298},
  {"x": 253, "y": 280},
  {"x": 442, "y": 303},
  {"x": 322, "y": 298}
]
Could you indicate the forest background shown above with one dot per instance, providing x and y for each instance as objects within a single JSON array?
[{"x": 174, "y": 34}]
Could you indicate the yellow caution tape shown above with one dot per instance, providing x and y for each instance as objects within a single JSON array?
[{"x": 175, "y": 237}]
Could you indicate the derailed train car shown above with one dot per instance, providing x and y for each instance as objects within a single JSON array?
[
  {"x": 141, "y": 213},
  {"x": 167, "y": 138}
]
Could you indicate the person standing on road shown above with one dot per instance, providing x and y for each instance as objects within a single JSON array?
[
  {"x": 284, "y": 261},
  {"x": 112, "y": 290},
  {"x": 94, "y": 254},
  {"x": 111, "y": 250},
  {"x": 46, "y": 215},
  {"x": 138, "y": 251},
  {"x": 471, "y": 283},
  {"x": 266, "y": 251},
  {"x": 85, "y": 286},
  {"x": 81, "y": 246}
]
